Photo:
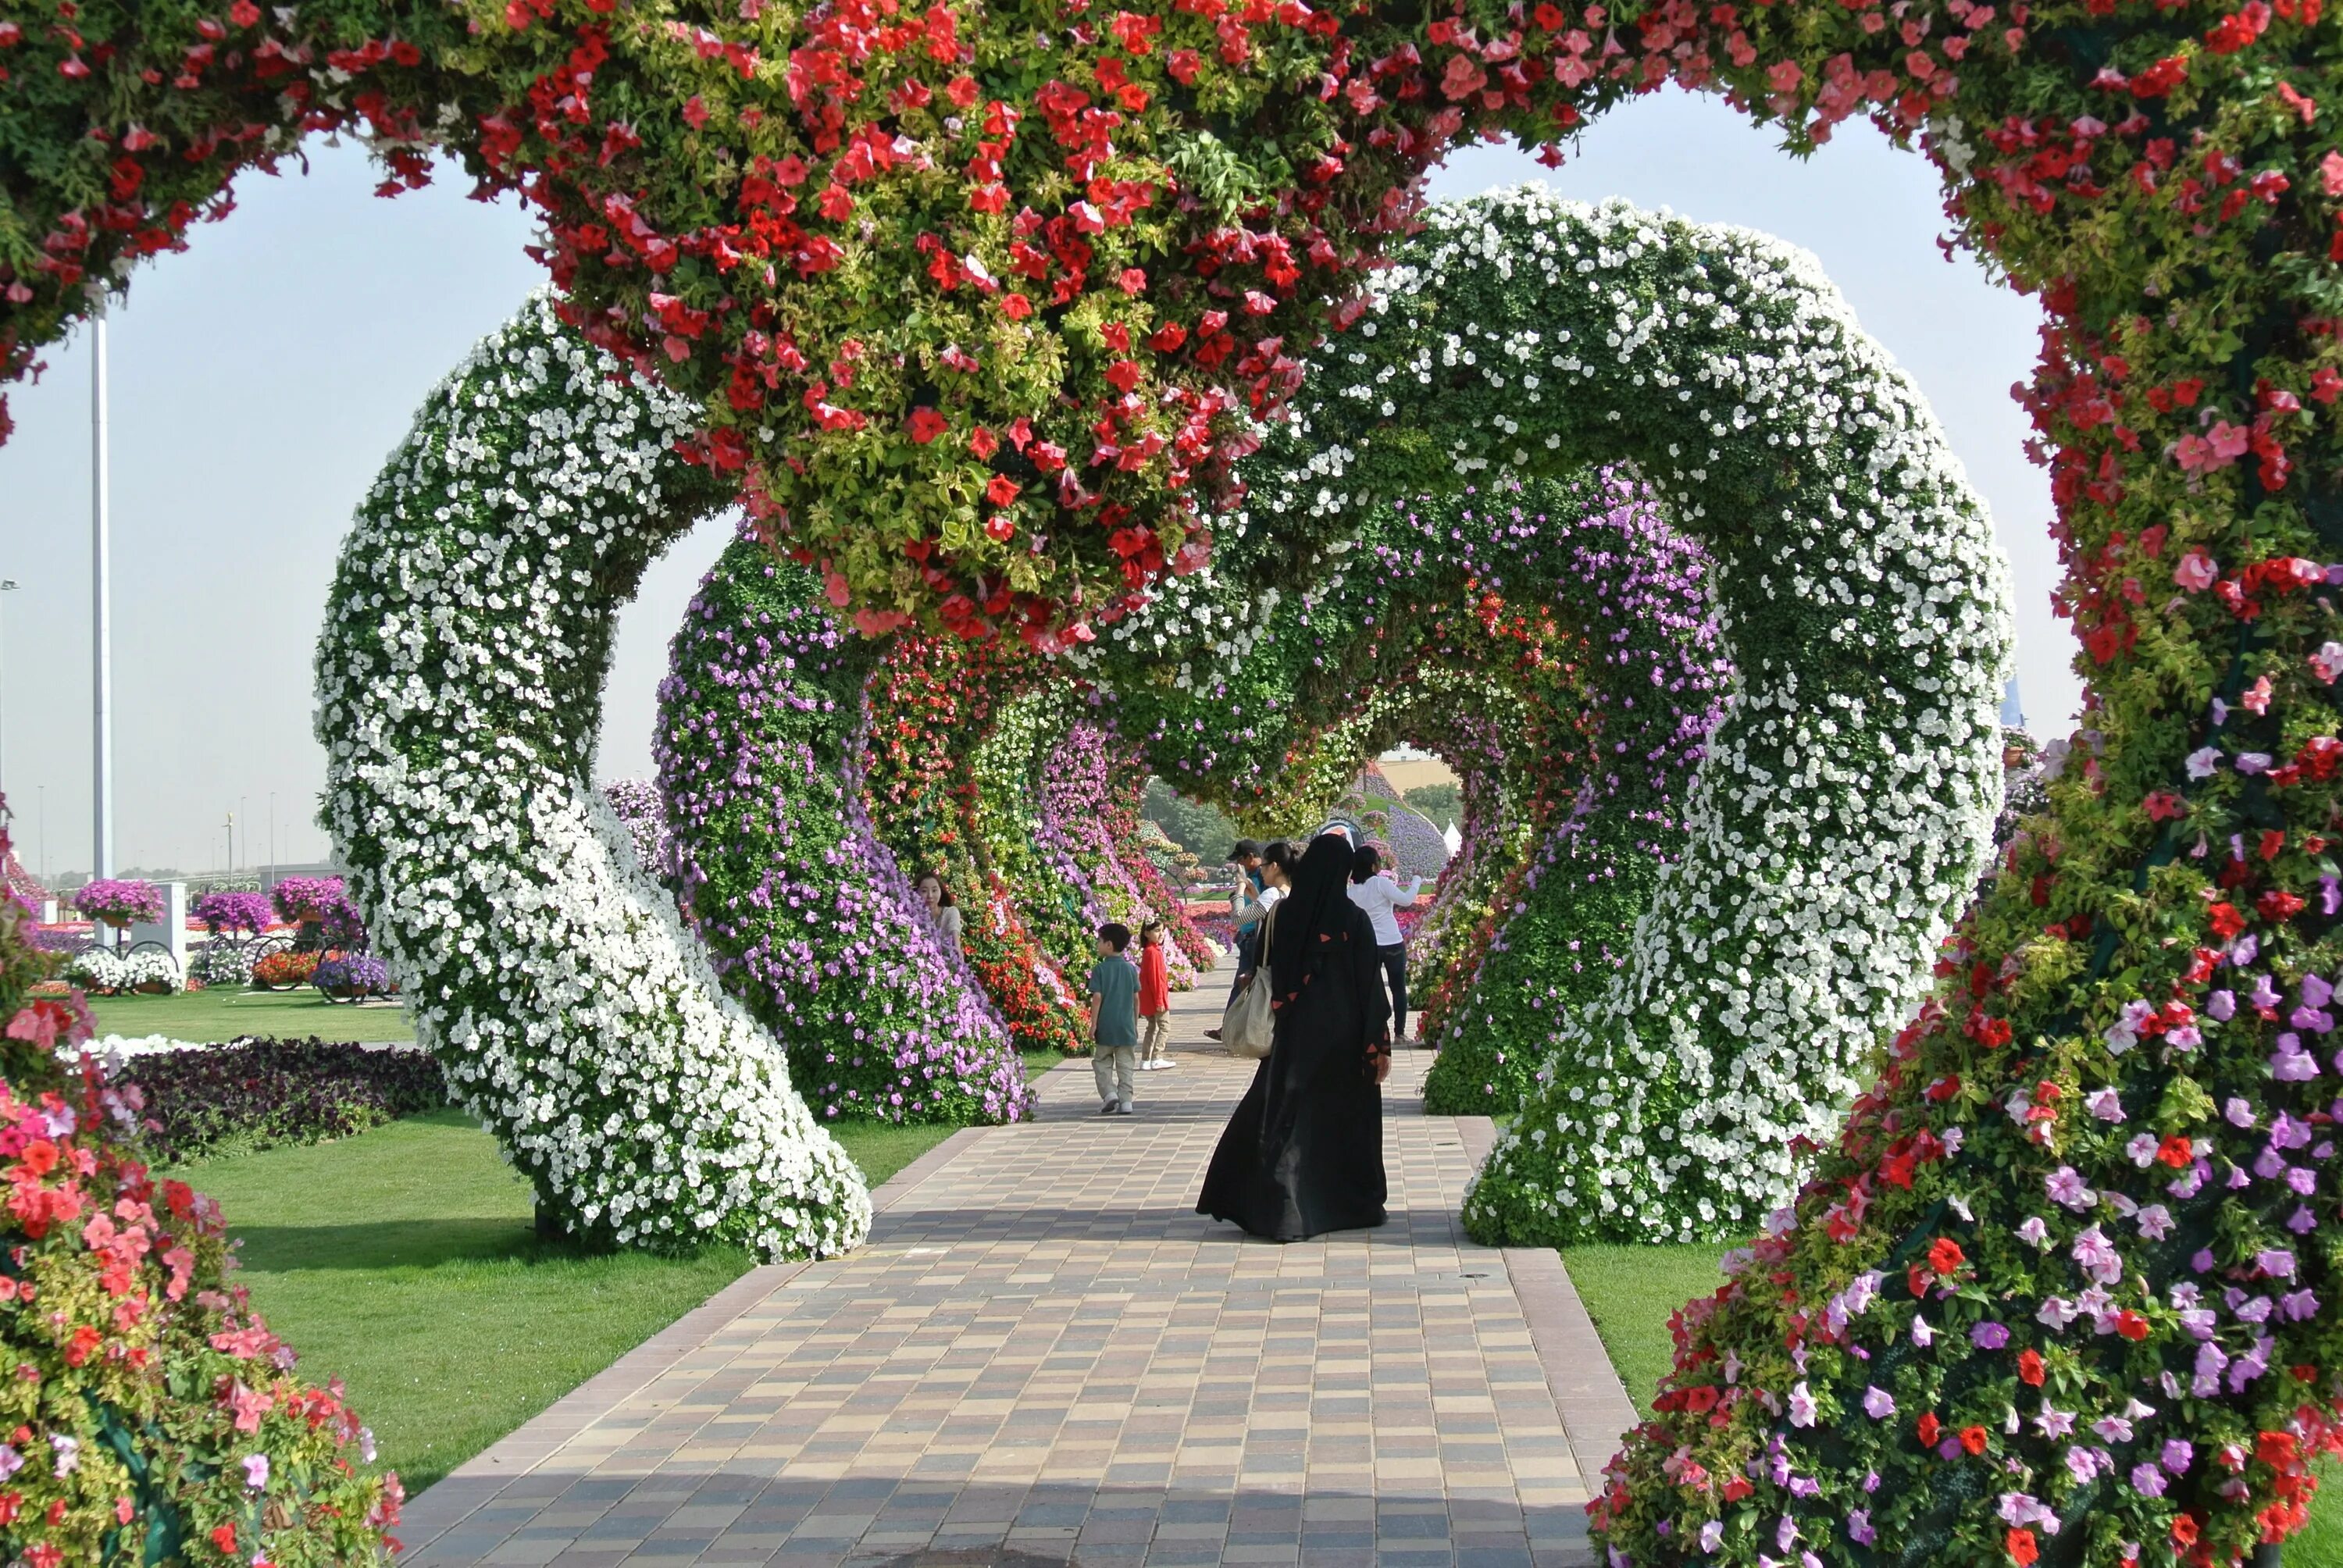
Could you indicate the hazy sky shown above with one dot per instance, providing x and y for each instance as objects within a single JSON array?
[{"x": 260, "y": 380}]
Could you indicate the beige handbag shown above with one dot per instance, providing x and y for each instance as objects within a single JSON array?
[{"x": 1246, "y": 1026}]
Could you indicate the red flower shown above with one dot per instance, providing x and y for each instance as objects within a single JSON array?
[
  {"x": 2022, "y": 1550},
  {"x": 925, "y": 425},
  {"x": 1016, "y": 307},
  {"x": 1929, "y": 1430},
  {"x": 2131, "y": 1325},
  {"x": 2030, "y": 1371},
  {"x": 2278, "y": 906},
  {"x": 224, "y": 1538},
  {"x": 2225, "y": 920},
  {"x": 1945, "y": 1256},
  {"x": 2176, "y": 1151},
  {"x": 1001, "y": 490},
  {"x": 1973, "y": 1439}
]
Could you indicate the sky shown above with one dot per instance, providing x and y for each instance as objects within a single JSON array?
[{"x": 259, "y": 381}]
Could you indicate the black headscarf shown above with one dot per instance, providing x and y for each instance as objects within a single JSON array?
[{"x": 1312, "y": 920}]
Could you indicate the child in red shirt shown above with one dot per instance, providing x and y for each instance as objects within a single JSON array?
[{"x": 1154, "y": 997}]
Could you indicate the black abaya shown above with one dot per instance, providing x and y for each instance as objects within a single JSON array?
[{"x": 1305, "y": 1153}]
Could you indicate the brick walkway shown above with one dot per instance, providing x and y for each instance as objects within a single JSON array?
[{"x": 1045, "y": 1356}]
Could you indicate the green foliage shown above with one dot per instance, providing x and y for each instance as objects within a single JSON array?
[
  {"x": 1442, "y": 803},
  {"x": 1204, "y": 831}
]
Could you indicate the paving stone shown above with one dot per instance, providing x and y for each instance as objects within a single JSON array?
[{"x": 1045, "y": 1355}]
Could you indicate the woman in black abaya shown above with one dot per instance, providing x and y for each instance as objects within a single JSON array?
[{"x": 1305, "y": 1153}]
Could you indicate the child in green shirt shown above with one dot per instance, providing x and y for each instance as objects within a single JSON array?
[{"x": 1113, "y": 990}]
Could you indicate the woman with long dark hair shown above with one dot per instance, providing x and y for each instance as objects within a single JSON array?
[{"x": 1305, "y": 1153}]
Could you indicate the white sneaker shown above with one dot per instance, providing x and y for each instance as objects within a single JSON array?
[{"x": 1166, "y": 1065}]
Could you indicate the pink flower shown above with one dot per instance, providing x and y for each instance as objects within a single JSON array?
[
  {"x": 2196, "y": 570},
  {"x": 2256, "y": 698},
  {"x": 2328, "y": 662}
]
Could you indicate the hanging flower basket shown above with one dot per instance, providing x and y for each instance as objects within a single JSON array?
[{"x": 118, "y": 901}]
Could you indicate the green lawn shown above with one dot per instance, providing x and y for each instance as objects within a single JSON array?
[
  {"x": 219, "y": 1013},
  {"x": 1631, "y": 1292},
  {"x": 404, "y": 1262}
]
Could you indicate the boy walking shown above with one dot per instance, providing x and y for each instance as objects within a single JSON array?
[{"x": 1113, "y": 990}]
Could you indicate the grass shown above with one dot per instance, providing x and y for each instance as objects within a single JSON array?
[
  {"x": 404, "y": 1261},
  {"x": 219, "y": 1013},
  {"x": 1631, "y": 1292}
]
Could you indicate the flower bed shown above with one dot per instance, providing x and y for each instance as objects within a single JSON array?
[
  {"x": 812, "y": 924},
  {"x": 152, "y": 1413},
  {"x": 222, "y": 963},
  {"x": 574, "y": 1013},
  {"x": 285, "y": 969},
  {"x": 350, "y": 976},
  {"x": 110, "y": 973},
  {"x": 251, "y": 1093}
]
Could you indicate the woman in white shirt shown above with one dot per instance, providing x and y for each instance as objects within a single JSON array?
[
  {"x": 1250, "y": 909},
  {"x": 1380, "y": 897}
]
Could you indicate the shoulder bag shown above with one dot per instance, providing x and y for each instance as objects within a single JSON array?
[{"x": 1246, "y": 1027}]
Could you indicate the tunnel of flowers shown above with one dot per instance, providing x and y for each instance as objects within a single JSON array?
[{"x": 1101, "y": 404}]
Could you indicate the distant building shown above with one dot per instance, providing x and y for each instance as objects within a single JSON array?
[{"x": 2013, "y": 711}]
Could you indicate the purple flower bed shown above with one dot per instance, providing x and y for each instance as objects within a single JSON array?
[
  {"x": 353, "y": 972},
  {"x": 262, "y": 1093},
  {"x": 808, "y": 918}
]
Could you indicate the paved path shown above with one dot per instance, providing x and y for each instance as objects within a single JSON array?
[{"x": 1045, "y": 1356}]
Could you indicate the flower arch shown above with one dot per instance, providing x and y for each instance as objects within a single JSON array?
[
  {"x": 812, "y": 923},
  {"x": 1834, "y": 824},
  {"x": 459, "y": 681}
]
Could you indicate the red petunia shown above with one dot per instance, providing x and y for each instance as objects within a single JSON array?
[
  {"x": 2030, "y": 1370},
  {"x": 1945, "y": 1255},
  {"x": 1929, "y": 1430},
  {"x": 1973, "y": 1438},
  {"x": 925, "y": 425},
  {"x": 2022, "y": 1549}
]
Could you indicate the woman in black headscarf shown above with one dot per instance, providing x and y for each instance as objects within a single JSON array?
[{"x": 1305, "y": 1153}]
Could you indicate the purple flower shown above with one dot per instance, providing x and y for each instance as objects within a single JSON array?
[
  {"x": 2098, "y": 1257},
  {"x": 1878, "y": 1403},
  {"x": 2147, "y": 1481},
  {"x": 2065, "y": 1186},
  {"x": 1989, "y": 1336}
]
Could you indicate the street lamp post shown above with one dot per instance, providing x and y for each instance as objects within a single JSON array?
[{"x": 101, "y": 616}]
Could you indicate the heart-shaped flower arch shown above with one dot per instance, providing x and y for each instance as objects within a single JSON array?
[{"x": 1842, "y": 800}]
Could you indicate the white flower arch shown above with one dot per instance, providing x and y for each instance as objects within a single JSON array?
[{"x": 459, "y": 681}]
